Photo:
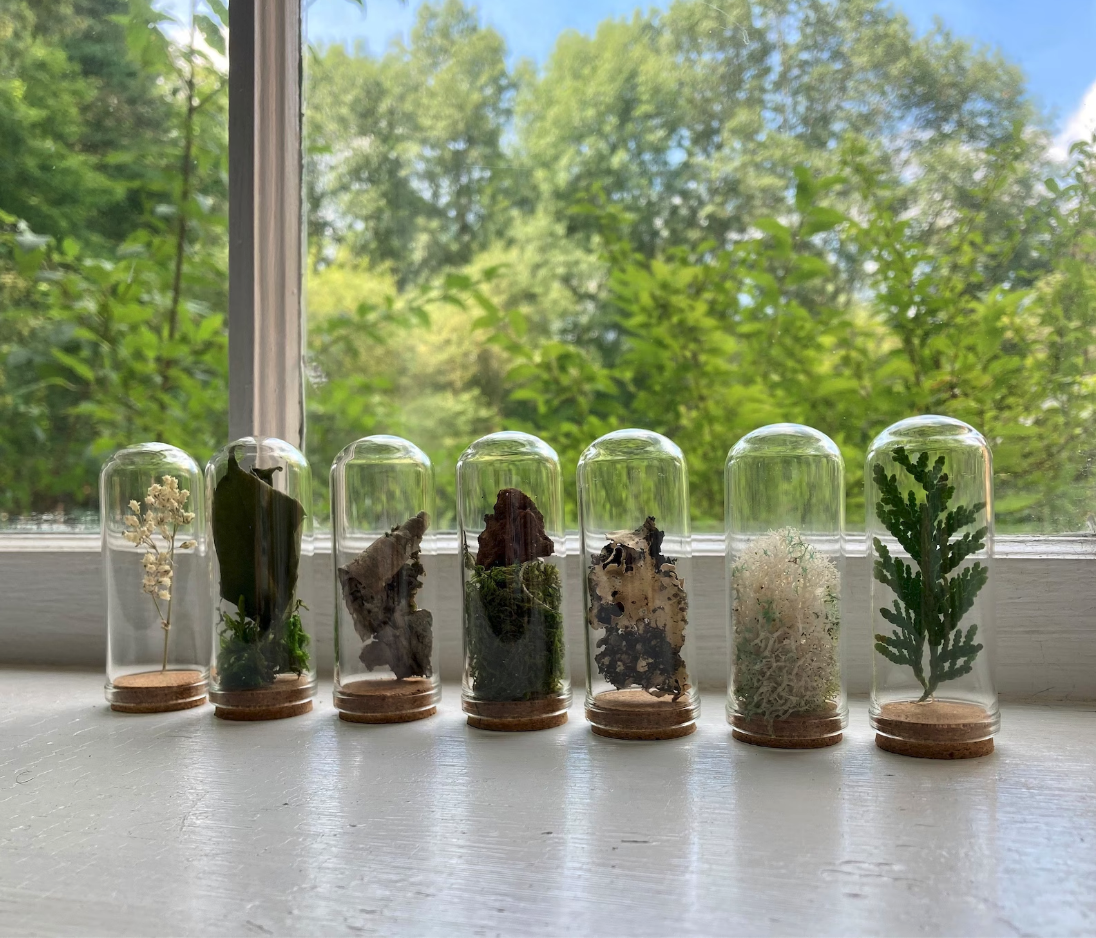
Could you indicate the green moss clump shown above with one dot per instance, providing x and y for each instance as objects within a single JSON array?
[
  {"x": 249, "y": 658},
  {"x": 514, "y": 631}
]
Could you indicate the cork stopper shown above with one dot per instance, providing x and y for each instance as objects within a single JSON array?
[
  {"x": 517, "y": 716},
  {"x": 289, "y": 696},
  {"x": 157, "y": 691},
  {"x": 934, "y": 729},
  {"x": 393, "y": 700},
  {"x": 635, "y": 714},
  {"x": 815, "y": 730}
]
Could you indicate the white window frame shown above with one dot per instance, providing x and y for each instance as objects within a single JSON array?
[{"x": 52, "y": 609}]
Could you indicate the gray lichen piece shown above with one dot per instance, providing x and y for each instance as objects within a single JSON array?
[
  {"x": 379, "y": 587},
  {"x": 638, "y": 598}
]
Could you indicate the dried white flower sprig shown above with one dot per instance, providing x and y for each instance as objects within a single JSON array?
[{"x": 165, "y": 514}]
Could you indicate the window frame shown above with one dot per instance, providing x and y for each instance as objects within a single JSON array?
[{"x": 1045, "y": 590}]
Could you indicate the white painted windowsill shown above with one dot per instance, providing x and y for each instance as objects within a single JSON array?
[
  {"x": 183, "y": 824},
  {"x": 1044, "y": 589}
]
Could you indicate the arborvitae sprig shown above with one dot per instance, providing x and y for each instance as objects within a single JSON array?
[{"x": 931, "y": 602}]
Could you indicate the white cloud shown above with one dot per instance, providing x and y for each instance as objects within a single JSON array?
[{"x": 1080, "y": 126}]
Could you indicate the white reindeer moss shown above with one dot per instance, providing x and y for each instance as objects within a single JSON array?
[{"x": 786, "y": 626}]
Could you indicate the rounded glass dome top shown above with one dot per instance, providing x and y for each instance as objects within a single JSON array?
[
  {"x": 382, "y": 524},
  {"x": 929, "y": 490},
  {"x": 633, "y": 497},
  {"x": 259, "y": 497},
  {"x": 155, "y": 566},
  {"x": 510, "y": 512},
  {"x": 785, "y": 517}
]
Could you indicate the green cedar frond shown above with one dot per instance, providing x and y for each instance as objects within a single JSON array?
[{"x": 930, "y": 603}]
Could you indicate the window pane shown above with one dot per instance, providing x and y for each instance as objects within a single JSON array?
[
  {"x": 113, "y": 235},
  {"x": 569, "y": 218}
]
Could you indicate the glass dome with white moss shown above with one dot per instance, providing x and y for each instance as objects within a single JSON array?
[
  {"x": 155, "y": 564},
  {"x": 510, "y": 512},
  {"x": 382, "y": 515},
  {"x": 633, "y": 498},
  {"x": 785, "y": 523},
  {"x": 930, "y": 537},
  {"x": 259, "y": 498}
]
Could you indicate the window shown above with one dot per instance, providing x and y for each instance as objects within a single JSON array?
[
  {"x": 113, "y": 243},
  {"x": 700, "y": 219},
  {"x": 696, "y": 218}
]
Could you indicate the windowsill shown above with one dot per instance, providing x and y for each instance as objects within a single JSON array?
[
  {"x": 1044, "y": 596},
  {"x": 181, "y": 823}
]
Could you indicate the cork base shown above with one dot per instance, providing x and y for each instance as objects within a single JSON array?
[
  {"x": 516, "y": 716},
  {"x": 386, "y": 701},
  {"x": 815, "y": 730},
  {"x": 288, "y": 696},
  {"x": 934, "y": 729},
  {"x": 157, "y": 691},
  {"x": 635, "y": 714}
]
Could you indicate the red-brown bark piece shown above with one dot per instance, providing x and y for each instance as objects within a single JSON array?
[{"x": 514, "y": 532}]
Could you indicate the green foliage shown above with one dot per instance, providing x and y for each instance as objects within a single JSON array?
[
  {"x": 931, "y": 602},
  {"x": 250, "y": 657},
  {"x": 514, "y": 631}
]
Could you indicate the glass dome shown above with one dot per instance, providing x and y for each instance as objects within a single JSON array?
[
  {"x": 382, "y": 511},
  {"x": 155, "y": 563},
  {"x": 259, "y": 498},
  {"x": 785, "y": 522},
  {"x": 633, "y": 498},
  {"x": 510, "y": 511},
  {"x": 930, "y": 534}
]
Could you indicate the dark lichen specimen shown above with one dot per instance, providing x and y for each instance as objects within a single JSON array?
[
  {"x": 637, "y": 597},
  {"x": 257, "y": 536},
  {"x": 379, "y": 587},
  {"x": 931, "y": 602},
  {"x": 513, "y": 598}
]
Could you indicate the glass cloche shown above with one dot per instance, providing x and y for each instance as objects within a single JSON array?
[
  {"x": 155, "y": 564},
  {"x": 260, "y": 503},
  {"x": 785, "y": 524},
  {"x": 930, "y": 536},
  {"x": 510, "y": 511},
  {"x": 382, "y": 515},
  {"x": 633, "y": 497}
]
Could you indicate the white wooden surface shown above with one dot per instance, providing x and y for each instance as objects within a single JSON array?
[
  {"x": 182, "y": 824},
  {"x": 1044, "y": 589}
]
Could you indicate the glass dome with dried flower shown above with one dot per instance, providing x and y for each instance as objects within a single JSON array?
[
  {"x": 510, "y": 511},
  {"x": 260, "y": 499},
  {"x": 633, "y": 502},
  {"x": 785, "y": 523},
  {"x": 155, "y": 564},
  {"x": 930, "y": 534},
  {"x": 382, "y": 511}
]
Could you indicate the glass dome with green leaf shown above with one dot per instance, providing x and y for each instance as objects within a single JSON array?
[
  {"x": 633, "y": 498},
  {"x": 785, "y": 522},
  {"x": 382, "y": 516},
  {"x": 510, "y": 512},
  {"x": 260, "y": 504},
  {"x": 930, "y": 535}
]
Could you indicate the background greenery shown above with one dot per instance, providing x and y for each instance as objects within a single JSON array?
[{"x": 696, "y": 221}]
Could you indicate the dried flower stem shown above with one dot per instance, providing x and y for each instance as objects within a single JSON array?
[{"x": 164, "y": 515}]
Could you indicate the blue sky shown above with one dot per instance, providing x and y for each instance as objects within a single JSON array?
[{"x": 1054, "y": 41}]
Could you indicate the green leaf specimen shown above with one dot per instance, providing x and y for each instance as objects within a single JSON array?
[
  {"x": 932, "y": 601},
  {"x": 512, "y": 612},
  {"x": 257, "y": 535}
]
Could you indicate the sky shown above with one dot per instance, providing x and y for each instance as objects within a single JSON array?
[{"x": 1053, "y": 41}]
